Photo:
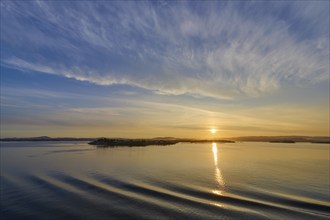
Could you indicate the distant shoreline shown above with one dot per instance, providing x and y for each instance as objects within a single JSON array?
[
  {"x": 45, "y": 138},
  {"x": 110, "y": 142}
]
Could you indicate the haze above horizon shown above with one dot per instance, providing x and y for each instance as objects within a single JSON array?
[{"x": 164, "y": 68}]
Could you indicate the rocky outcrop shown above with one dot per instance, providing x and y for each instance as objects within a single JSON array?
[{"x": 114, "y": 142}]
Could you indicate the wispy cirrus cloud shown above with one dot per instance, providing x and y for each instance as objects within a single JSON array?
[{"x": 213, "y": 49}]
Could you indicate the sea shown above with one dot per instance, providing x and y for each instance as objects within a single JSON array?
[{"x": 251, "y": 180}]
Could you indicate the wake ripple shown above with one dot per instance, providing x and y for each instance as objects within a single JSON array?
[{"x": 99, "y": 196}]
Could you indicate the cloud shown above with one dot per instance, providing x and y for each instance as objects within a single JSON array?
[
  {"x": 115, "y": 116},
  {"x": 213, "y": 49}
]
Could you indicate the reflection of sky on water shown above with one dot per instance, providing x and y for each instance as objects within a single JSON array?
[{"x": 218, "y": 176}]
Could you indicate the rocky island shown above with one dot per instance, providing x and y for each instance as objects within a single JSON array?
[{"x": 117, "y": 142}]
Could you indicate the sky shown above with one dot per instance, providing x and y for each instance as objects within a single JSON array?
[{"x": 164, "y": 68}]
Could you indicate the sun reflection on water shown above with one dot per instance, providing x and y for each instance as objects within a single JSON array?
[{"x": 218, "y": 176}]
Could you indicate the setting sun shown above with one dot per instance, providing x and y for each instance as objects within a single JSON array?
[{"x": 213, "y": 130}]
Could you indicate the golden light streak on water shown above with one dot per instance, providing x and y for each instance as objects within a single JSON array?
[{"x": 218, "y": 176}]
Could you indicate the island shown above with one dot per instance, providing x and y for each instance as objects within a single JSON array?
[
  {"x": 283, "y": 141},
  {"x": 117, "y": 142}
]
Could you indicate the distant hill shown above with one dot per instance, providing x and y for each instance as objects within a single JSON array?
[
  {"x": 283, "y": 139},
  {"x": 46, "y": 138}
]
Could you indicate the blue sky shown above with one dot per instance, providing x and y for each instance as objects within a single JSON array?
[{"x": 164, "y": 68}]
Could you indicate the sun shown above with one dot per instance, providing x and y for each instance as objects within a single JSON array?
[{"x": 213, "y": 130}]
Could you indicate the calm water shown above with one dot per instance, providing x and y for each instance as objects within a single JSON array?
[{"x": 183, "y": 181}]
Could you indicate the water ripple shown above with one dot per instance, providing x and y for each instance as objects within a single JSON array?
[{"x": 98, "y": 196}]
